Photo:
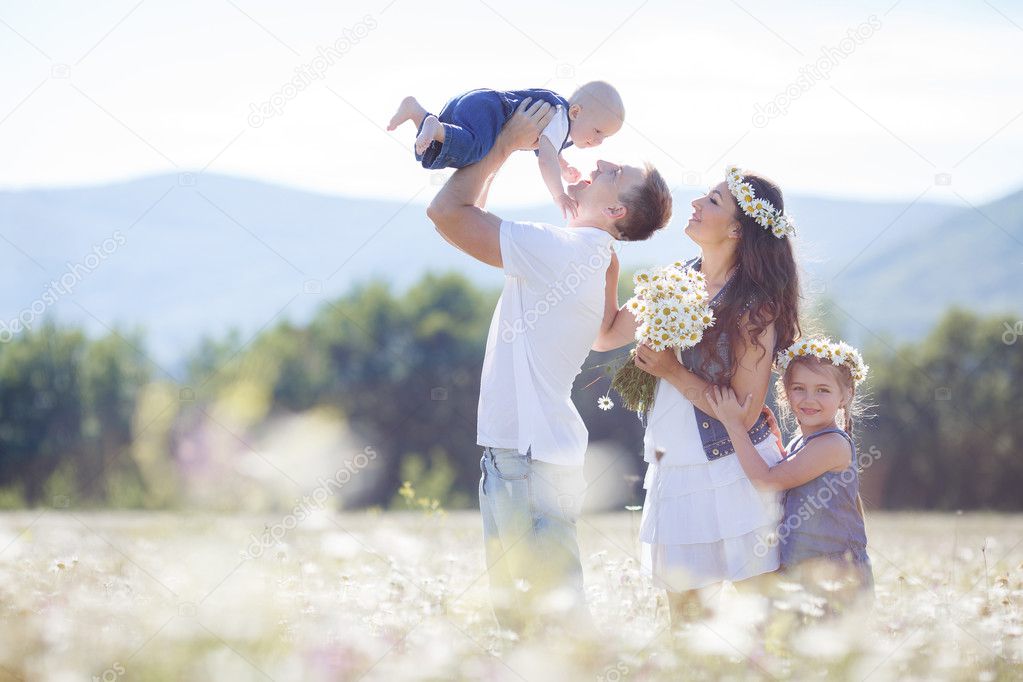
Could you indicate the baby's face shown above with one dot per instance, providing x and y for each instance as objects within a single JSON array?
[{"x": 592, "y": 124}]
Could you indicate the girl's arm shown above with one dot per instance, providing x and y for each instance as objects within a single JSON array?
[{"x": 825, "y": 453}]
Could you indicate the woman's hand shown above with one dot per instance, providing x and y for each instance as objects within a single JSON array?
[
  {"x": 659, "y": 363},
  {"x": 726, "y": 406},
  {"x": 522, "y": 130}
]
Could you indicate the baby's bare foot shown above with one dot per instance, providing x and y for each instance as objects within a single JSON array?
[
  {"x": 432, "y": 131},
  {"x": 408, "y": 110}
]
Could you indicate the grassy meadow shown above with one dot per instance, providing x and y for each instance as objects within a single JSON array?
[{"x": 386, "y": 596}]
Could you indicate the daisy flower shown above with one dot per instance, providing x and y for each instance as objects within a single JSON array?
[
  {"x": 762, "y": 211},
  {"x": 823, "y": 348}
]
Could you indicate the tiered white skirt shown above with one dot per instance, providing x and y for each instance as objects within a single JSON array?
[{"x": 703, "y": 521}]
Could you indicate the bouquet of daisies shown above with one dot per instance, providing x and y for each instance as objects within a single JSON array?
[{"x": 673, "y": 309}]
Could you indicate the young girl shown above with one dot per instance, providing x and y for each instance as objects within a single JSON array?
[{"x": 822, "y": 537}]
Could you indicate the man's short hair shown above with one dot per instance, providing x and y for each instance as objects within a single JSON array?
[{"x": 648, "y": 207}]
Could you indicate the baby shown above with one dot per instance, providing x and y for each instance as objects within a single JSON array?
[{"x": 468, "y": 125}]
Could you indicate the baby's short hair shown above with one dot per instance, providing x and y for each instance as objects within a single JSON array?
[{"x": 602, "y": 94}]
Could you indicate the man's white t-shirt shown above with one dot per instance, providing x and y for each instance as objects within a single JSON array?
[{"x": 545, "y": 322}]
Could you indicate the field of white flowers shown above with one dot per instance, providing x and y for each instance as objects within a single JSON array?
[{"x": 395, "y": 596}]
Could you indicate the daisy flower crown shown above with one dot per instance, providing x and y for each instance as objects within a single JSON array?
[
  {"x": 761, "y": 210},
  {"x": 823, "y": 348}
]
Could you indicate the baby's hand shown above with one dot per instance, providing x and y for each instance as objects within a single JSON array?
[
  {"x": 570, "y": 174},
  {"x": 726, "y": 407},
  {"x": 568, "y": 205}
]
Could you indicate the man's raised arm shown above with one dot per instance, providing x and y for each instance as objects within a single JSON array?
[{"x": 454, "y": 211}]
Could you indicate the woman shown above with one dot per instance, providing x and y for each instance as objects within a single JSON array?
[{"x": 703, "y": 518}]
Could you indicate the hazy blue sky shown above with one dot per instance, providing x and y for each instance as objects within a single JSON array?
[{"x": 110, "y": 90}]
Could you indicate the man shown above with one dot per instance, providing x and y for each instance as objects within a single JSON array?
[{"x": 560, "y": 288}]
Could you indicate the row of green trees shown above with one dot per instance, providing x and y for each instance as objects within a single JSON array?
[
  {"x": 948, "y": 416},
  {"x": 67, "y": 406},
  {"x": 92, "y": 422}
]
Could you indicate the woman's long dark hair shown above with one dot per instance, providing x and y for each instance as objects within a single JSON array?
[{"x": 766, "y": 279}]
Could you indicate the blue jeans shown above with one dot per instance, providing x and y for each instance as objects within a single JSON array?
[
  {"x": 529, "y": 513},
  {"x": 471, "y": 123}
]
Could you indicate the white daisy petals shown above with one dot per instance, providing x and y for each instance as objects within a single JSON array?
[
  {"x": 762, "y": 211},
  {"x": 671, "y": 306},
  {"x": 821, "y": 347}
]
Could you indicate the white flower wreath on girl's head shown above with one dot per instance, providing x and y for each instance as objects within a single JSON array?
[
  {"x": 823, "y": 348},
  {"x": 761, "y": 210}
]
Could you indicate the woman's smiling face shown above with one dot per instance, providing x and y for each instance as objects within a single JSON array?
[{"x": 713, "y": 216}]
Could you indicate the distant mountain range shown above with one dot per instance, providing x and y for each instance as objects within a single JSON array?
[{"x": 190, "y": 255}]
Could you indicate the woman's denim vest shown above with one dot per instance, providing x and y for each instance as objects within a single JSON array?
[
  {"x": 821, "y": 516},
  {"x": 713, "y": 434}
]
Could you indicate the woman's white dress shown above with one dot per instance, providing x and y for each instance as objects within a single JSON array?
[{"x": 703, "y": 521}]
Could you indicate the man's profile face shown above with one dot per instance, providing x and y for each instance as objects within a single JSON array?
[{"x": 604, "y": 187}]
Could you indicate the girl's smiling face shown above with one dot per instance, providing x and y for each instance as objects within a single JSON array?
[{"x": 815, "y": 394}]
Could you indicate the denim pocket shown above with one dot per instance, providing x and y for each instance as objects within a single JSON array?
[{"x": 509, "y": 465}]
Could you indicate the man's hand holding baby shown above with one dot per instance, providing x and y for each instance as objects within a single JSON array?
[{"x": 522, "y": 130}]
